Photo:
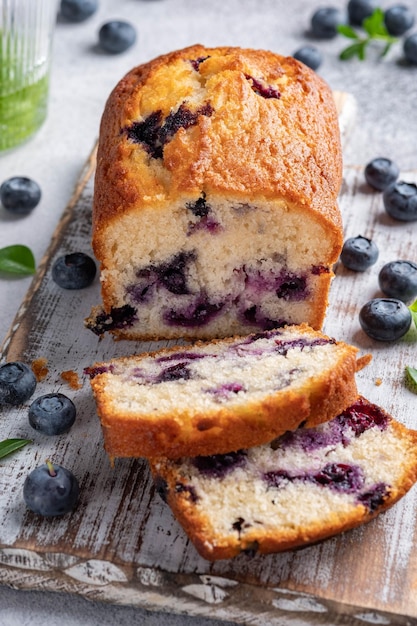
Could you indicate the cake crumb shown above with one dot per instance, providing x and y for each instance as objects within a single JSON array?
[
  {"x": 39, "y": 368},
  {"x": 378, "y": 382},
  {"x": 72, "y": 379}
]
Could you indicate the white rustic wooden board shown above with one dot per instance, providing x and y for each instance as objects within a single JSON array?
[{"x": 122, "y": 544}]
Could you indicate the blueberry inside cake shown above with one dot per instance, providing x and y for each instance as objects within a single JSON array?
[
  {"x": 215, "y": 195},
  {"x": 218, "y": 396},
  {"x": 300, "y": 488}
]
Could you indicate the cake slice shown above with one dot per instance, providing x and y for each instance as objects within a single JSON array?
[
  {"x": 215, "y": 198},
  {"x": 300, "y": 488},
  {"x": 222, "y": 395}
]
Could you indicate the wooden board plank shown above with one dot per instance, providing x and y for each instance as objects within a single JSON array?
[{"x": 122, "y": 544}]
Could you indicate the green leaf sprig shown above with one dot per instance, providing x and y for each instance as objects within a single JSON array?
[
  {"x": 375, "y": 29},
  {"x": 17, "y": 259},
  {"x": 7, "y": 446},
  {"x": 411, "y": 374}
]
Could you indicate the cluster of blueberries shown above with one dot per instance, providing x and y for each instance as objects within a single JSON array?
[
  {"x": 398, "y": 20},
  {"x": 114, "y": 36},
  {"x": 386, "y": 319},
  {"x": 49, "y": 490}
]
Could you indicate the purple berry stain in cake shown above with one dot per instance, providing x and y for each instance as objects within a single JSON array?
[
  {"x": 340, "y": 477},
  {"x": 199, "y": 208},
  {"x": 183, "y": 356},
  {"x": 336, "y": 476},
  {"x": 373, "y": 498},
  {"x": 199, "y": 313},
  {"x": 218, "y": 465},
  {"x": 292, "y": 288},
  {"x": 119, "y": 318},
  {"x": 154, "y": 132},
  {"x": 361, "y": 416},
  {"x": 189, "y": 490},
  {"x": 225, "y": 391},
  {"x": 197, "y": 62},
  {"x": 263, "y": 89},
  {"x": 96, "y": 370},
  {"x": 254, "y": 316},
  {"x": 309, "y": 439},
  {"x": 202, "y": 210},
  {"x": 172, "y": 275},
  {"x": 179, "y": 371}
]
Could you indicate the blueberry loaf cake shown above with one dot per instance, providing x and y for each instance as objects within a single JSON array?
[
  {"x": 215, "y": 195},
  {"x": 219, "y": 396},
  {"x": 300, "y": 488}
]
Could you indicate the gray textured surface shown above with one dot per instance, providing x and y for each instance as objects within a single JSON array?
[{"x": 82, "y": 78}]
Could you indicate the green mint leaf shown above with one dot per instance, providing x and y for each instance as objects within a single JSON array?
[
  {"x": 374, "y": 25},
  {"x": 355, "y": 50},
  {"x": 347, "y": 31},
  {"x": 7, "y": 446},
  {"x": 413, "y": 311},
  {"x": 411, "y": 373},
  {"x": 17, "y": 259}
]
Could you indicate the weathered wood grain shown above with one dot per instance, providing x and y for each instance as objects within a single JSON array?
[{"x": 122, "y": 544}]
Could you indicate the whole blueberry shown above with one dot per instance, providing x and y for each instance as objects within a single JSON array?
[
  {"x": 20, "y": 195},
  {"x": 17, "y": 383},
  {"x": 358, "y": 10},
  {"x": 78, "y": 10},
  {"x": 74, "y": 271},
  {"x": 410, "y": 48},
  {"x": 381, "y": 172},
  {"x": 398, "y": 19},
  {"x": 116, "y": 36},
  {"x": 359, "y": 253},
  {"x": 398, "y": 279},
  {"x": 325, "y": 20},
  {"x": 310, "y": 56},
  {"x": 51, "y": 490},
  {"x": 385, "y": 319},
  {"x": 52, "y": 414},
  {"x": 400, "y": 201}
]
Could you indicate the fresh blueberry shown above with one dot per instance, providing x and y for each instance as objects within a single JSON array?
[
  {"x": 20, "y": 195},
  {"x": 385, "y": 319},
  {"x": 325, "y": 20},
  {"x": 52, "y": 414},
  {"x": 310, "y": 56},
  {"x": 51, "y": 490},
  {"x": 381, "y": 172},
  {"x": 359, "y": 253},
  {"x": 400, "y": 201},
  {"x": 398, "y": 19},
  {"x": 17, "y": 383},
  {"x": 358, "y": 10},
  {"x": 398, "y": 279},
  {"x": 116, "y": 36},
  {"x": 410, "y": 48},
  {"x": 74, "y": 271},
  {"x": 78, "y": 10}
]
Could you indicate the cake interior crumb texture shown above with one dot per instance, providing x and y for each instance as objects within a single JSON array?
[
  {"x": 217, "y": 396},
  {"x": 302, "y": 487},
  {"x": 215, "y": 196}
]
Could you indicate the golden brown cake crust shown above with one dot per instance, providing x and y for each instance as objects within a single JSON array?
[{"x": 282, "y": 148}]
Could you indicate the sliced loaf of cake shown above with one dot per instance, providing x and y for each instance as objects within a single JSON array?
[
  {"x": 222, "y": 395},
  {"x": 303, "y": 487},
  {"x": 215, "y": 198}
]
